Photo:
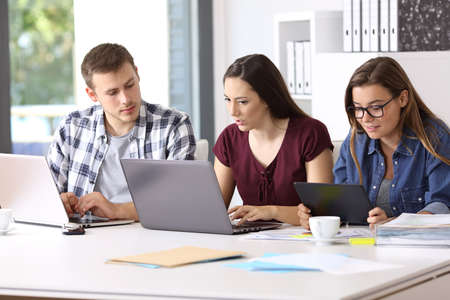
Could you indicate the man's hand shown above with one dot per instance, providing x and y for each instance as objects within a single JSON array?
[
  {"x": 98, "y": 205},
  {"x": 251, "y": 213},
  {"x": 70, "y": 202},
  {"x": 376, "y": 215},
  {"x": 304, "y": 214}
]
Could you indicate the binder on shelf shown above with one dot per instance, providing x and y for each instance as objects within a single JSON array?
[
  {"x": 290, "y": 66},
  {"x": 365, "y": 25},
  {"x": 384, "y": 25},
  {"x": 307, "y": 75},
  {"x": 423, "y": 29},
  {"x": 347, "y": 25},
  {"x": 393, "y": 25},
  {"x": 299, "y": 68},
  {"x": 356, "y": 18},
  {"x": 374, "y": 25}
]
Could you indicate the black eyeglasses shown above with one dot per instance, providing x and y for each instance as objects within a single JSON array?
[{"x": 375, "y": 111}]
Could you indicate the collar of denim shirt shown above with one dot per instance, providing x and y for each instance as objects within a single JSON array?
[{"x": 407, "y": 144}]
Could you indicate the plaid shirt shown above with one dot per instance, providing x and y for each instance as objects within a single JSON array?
[{"x": 80, "y": 143}]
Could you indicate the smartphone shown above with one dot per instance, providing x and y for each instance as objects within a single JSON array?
[{"x": 73, "y": 230}]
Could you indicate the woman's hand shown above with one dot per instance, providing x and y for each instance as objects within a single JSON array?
[
  {"x": 376, "y": 215},
  {"x": 304, "y": 214},
  {"x": 252, "y": 213}
]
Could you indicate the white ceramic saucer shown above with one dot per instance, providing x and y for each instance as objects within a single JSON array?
[
  {"x": 325, "y": 241},
  {"x": 5, "y": 231}
]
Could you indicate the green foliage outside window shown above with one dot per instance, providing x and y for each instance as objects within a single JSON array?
[{"x": 41, "y": 37}]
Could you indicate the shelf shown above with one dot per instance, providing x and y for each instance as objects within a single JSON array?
[
  {"x": 407, "y": 54},
  {"x": 301, "y": 97},
  {"x": 324, "y": 31},
  {"x": 322, "y": 28}
]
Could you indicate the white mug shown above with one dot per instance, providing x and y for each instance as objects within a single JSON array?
[
  {"x": 6, "y": 220},
  {"x": 324, "y": 227}
]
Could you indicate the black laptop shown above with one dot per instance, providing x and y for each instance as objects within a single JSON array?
[{"x": 348, "y": 201}]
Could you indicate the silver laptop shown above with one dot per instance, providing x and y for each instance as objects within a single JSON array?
[
  {"x": 27, "y": 187},
  {"x": 181, "y": 195}
]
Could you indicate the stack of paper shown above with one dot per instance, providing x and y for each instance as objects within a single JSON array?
[
  {"x": 176, "y": 257},
  {"x": 415, "y": 230}
]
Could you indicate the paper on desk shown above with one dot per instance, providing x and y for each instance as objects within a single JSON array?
[
  {"x": 332, "y": 263},
  {"x": 148, "y": 266},
  {"x": 304, "y": 235},
  {"x": 178, "y": 256},
  {"x": 260, "y": 266},
  {"x": 407, "y": 241},
  {"x": 418, "y": 220}
]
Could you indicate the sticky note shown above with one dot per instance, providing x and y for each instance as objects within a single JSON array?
[
  {"x": 362, "y": 241},
  {"x": 301, "y": 236}
]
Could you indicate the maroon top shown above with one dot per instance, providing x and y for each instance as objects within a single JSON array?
[{"x": 305, "y": 138}]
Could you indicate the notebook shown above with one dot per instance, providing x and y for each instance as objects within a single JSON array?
[
  {"x": 28, "y": 188},
  {"x": 348, "y": 201},
  {"x": 181, "y": 195},
  {"x": 178, "y": 256}
]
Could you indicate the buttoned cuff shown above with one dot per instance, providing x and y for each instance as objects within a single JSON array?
[{"x": 436, "y": 208}]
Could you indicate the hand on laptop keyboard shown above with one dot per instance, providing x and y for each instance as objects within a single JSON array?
[
  {"x": 250, "y": 224},
  {"x": 89, "y": 217}
]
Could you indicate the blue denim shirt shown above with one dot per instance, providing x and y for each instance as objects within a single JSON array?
[{"x": 421, "y": 181}]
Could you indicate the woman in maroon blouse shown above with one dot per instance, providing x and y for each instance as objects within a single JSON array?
[{"x": 271, "y": 144}]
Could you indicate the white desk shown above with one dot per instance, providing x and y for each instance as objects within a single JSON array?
[{"x": 41, "y": 262}]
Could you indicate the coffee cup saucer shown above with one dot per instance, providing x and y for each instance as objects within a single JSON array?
[
  {"x": 325, "y": 241},
  {"x": 4, "y": 231}
]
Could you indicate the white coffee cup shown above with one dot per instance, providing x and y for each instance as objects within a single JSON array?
[
  {"x": 6, "y": 220},
  {"x": 324, "y": 227}
]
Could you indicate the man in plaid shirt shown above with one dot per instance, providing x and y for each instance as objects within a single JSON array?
[{"x": 84, "y": 156}]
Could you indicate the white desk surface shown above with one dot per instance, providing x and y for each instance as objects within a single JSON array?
[{"x": 40, "y": 261}]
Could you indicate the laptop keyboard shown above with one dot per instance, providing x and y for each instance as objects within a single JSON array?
[
  {"x": 242, "y": 229},
  {"x": 252, "y": 227},
  {"x": 88, "y": 218}
]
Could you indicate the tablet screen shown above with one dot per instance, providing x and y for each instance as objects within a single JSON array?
[{"x": 348, "y": 201}]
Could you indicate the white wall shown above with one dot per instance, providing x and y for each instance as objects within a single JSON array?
[
  {"x": 140, "y": 26},
  {"x": 244, "y": 27}
]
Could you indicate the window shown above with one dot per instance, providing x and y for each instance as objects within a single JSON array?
[
  {"x": 41, "y": 65},
  {"x": 49, "y": 38},
  {"x": 180, "y": 82}
]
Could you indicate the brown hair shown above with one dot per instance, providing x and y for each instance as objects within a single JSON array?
[
  {"x": 265, "y": 79},
  {"x": 104, "y": 58},
  {"x": 388, "y": 73}
]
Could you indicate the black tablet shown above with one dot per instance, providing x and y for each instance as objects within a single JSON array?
[{"x": 348, "y": 201}]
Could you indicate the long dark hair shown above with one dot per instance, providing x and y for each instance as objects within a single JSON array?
[
  {"x": 265, "y": 79},
  {"x": 388, "y": 73}
]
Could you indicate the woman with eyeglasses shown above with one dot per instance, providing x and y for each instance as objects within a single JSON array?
[{"x": 397, "y": 148}]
